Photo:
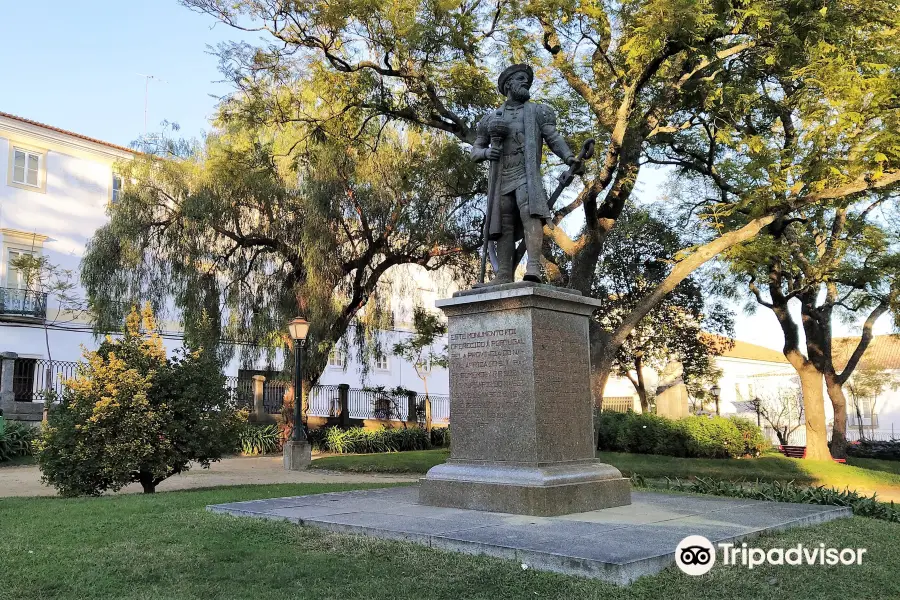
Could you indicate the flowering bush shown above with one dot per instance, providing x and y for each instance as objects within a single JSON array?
[{"x": 134, "y": 415}]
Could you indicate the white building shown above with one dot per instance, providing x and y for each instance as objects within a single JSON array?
[
  {"x": 55, "y": 187},
  {"x": 750, "y": 371}
]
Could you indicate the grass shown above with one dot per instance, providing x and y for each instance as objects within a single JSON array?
[
  {"x": 167, "y": 546},
  {"x": 864, "y": 475}
]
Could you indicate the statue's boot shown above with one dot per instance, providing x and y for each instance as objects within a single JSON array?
[
  {"x": 534, "y": 238},
  {"x": 506, "y": 248}
]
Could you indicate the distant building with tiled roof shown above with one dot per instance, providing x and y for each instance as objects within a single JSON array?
[{"x": 883, "y": 352}]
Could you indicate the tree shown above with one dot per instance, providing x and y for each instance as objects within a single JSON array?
[
  {"x": 833, "y": 262},
  {"x": 49, "y": 280},
  {"x": 636, "y": 75},
  {"x": 251, "y": 233},
  {"x": 419, "y": 349},
  {"x": 866, "y": 385},
  {"x": 133, "y": 415},
  {"x": 782, "y": 409},
  {"x": 636, "y": 258},
  {"x": 813, "y": 124}
]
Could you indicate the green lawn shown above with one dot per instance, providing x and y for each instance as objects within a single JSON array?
[
  {"x": 864, "y": 475},
  {"x": 167, "y": 546}
]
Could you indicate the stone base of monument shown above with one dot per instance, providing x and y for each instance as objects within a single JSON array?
[
  {"x": 546, "y": 491},
  {"x": 614, "y": 544},
  {"x": 520, "y": 406}
]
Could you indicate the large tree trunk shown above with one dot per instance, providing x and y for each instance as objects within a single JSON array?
[
  {"x": 838, "y": 444},
  {"x": 814, "y": 411}
]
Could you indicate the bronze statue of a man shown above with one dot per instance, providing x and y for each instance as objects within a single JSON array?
[{"x": 512, "y": 138}]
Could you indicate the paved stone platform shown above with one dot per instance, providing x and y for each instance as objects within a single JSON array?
[{"x": 614, "y": 544}]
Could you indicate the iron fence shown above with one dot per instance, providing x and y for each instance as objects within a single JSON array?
[
  {"x": 23, "y": 303},
  {"x": 440, "y": 408},
  {"x": 240, "y": 392},
  {"x": 620, "y": 404},
  {"x": 35, "y": 378},
  {"x": 273, "y": 394},
  {"x": 324, "y": 401}
]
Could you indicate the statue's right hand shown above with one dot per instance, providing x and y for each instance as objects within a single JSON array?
[{"x": 493, "y": 154}]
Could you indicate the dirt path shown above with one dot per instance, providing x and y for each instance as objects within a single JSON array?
[{"x": 26, "y": 480}]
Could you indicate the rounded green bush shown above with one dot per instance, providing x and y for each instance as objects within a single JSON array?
[
  {"x": 755, "y": 443},
  {"x": 691, "y": 437}
]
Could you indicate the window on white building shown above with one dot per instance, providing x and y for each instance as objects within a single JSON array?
[
  {"x": 337, "y": 359},
  {"x": 116, "y": 188},
  {"x": 866, "y": 408},
  {"x": 15, "y": 278},
  {"x": 381, "y": 363},
  {"x": 26, "y": 168}
]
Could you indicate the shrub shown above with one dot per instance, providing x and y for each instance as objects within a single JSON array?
[
  {"x": 715, "y": 437},
  {"x": 358, "y": 440},
  {"x": 872, "y": 449},
  {"x": 134, "y": 415},
  {"x": 259, "y": 439},
  {"x": 15, "y": 439},
  {"x": 755, "y": 443},
  {"x": 440, "y": 437},
  {"x": 691, "y": 437},
  {"x": 777, "y": 491}
]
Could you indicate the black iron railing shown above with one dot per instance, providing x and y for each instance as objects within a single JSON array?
[
  {"x": 33, "y": 378},
  {"x": 23, "y": 303}
]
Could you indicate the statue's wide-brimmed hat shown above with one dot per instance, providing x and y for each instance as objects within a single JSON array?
[{"x": 510, "y": 71}]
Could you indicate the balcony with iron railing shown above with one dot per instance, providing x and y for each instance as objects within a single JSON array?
[{"x": 22, "y": 304}]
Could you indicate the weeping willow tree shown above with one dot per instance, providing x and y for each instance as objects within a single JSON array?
[{"x": 258, "y": 224}]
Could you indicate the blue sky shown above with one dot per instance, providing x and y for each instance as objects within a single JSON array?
[{"x": 76, "y": 65}]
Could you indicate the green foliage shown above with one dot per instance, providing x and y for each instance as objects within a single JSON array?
[
  {"x": 691, "y": 437},
  {"x": 636, "y": 258},
  {"x": 419, "y": 349},
  {"x": 259, "y": 439},
  {"x": 440, "y": 437},
  {"x": 259, "y": 224},
  {"x": 15, "y": 439},
  {"x": 779, "y": 491},
  {"x": 134, "y": 415},
  {"x": 755, "y": 443},
  {"x": 873, "y": 449},
  {"x": 358, "y": 440}
]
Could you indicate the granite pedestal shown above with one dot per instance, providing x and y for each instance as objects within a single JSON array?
[{"x": 521, "y": 410}]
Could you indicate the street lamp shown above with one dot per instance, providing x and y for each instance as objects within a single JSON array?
[
  {"x": 716, "y": 391},
  {"x": 298, "y": 327}
]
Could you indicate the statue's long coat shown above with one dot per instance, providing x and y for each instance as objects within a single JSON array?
[{"x": 540, "y": 127}]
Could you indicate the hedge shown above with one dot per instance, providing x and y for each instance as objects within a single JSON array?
[
  {"x": 691, "y": 437},
  {"x": 872, "y": 449},
  {"x": 778, "y": 491},
  {"x": 358, "y": 440}
]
